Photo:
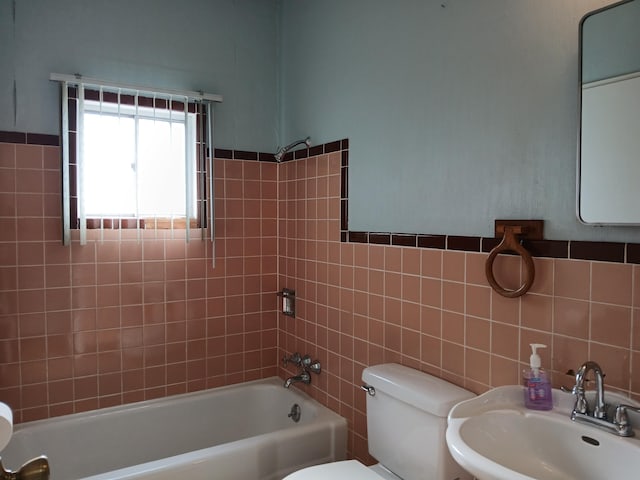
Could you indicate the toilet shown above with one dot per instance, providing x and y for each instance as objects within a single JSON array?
[{"x": 406, "y": 423}]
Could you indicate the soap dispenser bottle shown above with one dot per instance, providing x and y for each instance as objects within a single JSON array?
[{"x": 537, "y": 391}]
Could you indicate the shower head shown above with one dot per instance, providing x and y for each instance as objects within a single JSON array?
[{"x": 283, "y": 150}]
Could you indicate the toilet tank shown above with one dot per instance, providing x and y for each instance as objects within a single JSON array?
[{"x": 407, "y": 420}]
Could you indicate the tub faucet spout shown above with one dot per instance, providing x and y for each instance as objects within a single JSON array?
[{"x": 304, "y": 377}]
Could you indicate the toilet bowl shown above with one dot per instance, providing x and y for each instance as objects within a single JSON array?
[
  {"x": 351, "y": 469},
  {"x": 406, "y": 422}
]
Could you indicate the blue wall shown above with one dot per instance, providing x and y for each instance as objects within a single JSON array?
[
  {"x": 458, "y": 111},
  {"x": 219, "y": 46}
]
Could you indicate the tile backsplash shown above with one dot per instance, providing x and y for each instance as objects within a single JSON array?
[
  {"x": 126, "y": 318},
  {"x": 129, "y": 317},
  {"x": 374, "y": 299}
]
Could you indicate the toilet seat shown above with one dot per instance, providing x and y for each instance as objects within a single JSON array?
[{"x": 346, "y": 470}]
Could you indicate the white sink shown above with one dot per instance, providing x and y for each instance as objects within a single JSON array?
[{"x": 494, "y": 437}]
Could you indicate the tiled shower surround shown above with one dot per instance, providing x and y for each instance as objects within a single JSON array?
[{"x": 122, "y": 320}]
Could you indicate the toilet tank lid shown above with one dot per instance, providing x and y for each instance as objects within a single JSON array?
[{"x": 423, "y": 391}]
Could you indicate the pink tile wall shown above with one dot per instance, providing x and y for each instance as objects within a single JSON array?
[
  {"x": 363, "y": 304},
  {"x": 126, "y": 318},
  {"x": 121, "y": 320}
]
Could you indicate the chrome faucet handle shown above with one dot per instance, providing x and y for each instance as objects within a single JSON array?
[
  {"x": 581, "y": 401},
  {"x": 315, "y": 367},
  {"x": 294, "y": 358},
  {"x": 311, "y": 365},
  {"x": 581, "y": 405},
  {"x": 621, "y": 420},
  {"x": 621, "y": 417}
]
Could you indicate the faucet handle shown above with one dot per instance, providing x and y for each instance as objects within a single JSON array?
[
  {"x": 581, "y": 405},
  {"x": 315, "y": 367},
  {"x": 295, "y": 358},
  {"x": 621, "y": 419},
  {"x": 311, "y": 365}
]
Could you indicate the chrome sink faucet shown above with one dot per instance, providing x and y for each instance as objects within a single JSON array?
[
  {"x": 619, "y": 424},
  {"x": 581, "y": 406}
]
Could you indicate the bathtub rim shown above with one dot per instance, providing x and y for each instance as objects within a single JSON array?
[
  {"x": 322, "y": 415},
  {"x": 143, "y": 404}
]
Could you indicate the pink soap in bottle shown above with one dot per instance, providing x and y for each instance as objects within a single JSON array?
[{"x": 537, "y": 385}]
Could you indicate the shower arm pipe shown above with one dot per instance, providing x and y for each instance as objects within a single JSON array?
[
  {"x": 306, "y": 141},
  {"x": 281, "y": 152}
]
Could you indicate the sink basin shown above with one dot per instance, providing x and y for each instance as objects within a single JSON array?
[{"x": 494, "y": 437}]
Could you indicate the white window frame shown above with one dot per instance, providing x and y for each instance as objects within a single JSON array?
[{"x": 79, "y": 81}]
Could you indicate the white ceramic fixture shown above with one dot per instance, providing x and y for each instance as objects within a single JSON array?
[
  {"x": 494, "y": 437},
  {"x": 406, "y": 423}
]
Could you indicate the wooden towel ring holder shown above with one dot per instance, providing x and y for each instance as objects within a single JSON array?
[{"x": 510, "y": 243}]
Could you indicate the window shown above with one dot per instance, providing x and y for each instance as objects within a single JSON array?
[
  {"x": 149, "y": 170},
  {"x": 134, "y": 158}
]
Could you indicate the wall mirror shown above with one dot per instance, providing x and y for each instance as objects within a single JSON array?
[{"x": 609, "y": 136}]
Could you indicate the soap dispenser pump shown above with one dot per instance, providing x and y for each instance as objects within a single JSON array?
[{"x": 537, "y": 393}]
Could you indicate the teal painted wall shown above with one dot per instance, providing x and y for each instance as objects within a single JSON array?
[
  {"x": 219, "y": 46},
  {"x": 458, "y": 111}
]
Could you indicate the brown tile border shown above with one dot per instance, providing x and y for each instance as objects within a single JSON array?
[
  {"x": 404, "y": 239},
  {"x": 26, "y": 138},
  {"x": 380, "y": 238},
  {"x": 358, "y": 237},
  {"x": 569, "y": 249},
  {"x": 43, "y": 139},
  {"x": 432, "y": 241},
  {"x": 465, "y": 244},
  {"x": 601, "y": 251},
  {"x": 316, "y": 150},
  {"x": 245, "y": 155},
  {"x": 633, "y": 253},
  {"x": 344, "y": 215},
  {"x": 266, "y": 157},
  {"x": 548, "y": 248},
  {"x": 576, "y": 250}
]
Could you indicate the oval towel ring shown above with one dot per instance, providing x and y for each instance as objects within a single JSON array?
[{"x": 510, "y": 244}]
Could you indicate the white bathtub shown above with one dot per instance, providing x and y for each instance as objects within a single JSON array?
[{"x": 238, "y": 432}]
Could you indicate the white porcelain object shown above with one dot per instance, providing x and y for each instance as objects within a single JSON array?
[
  {"x": 495, "y": 437},
  {"x": 351, "y": 469},
  {"x": 235, "y": 432},
  {"x": 406, "y": 424}
]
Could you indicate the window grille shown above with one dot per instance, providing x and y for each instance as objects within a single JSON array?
[{"x": 188, "y": 115}]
